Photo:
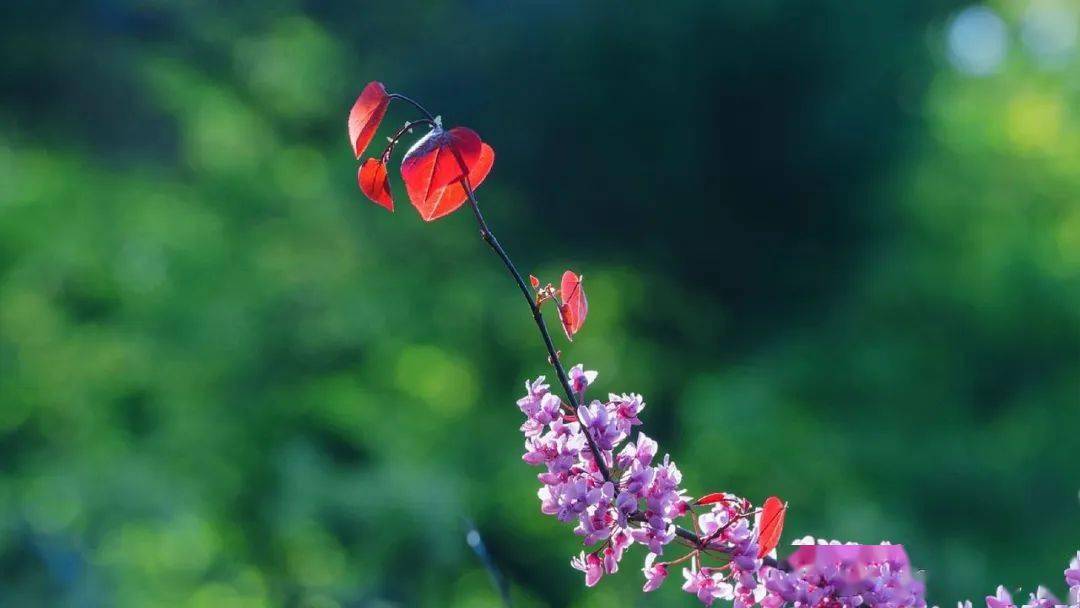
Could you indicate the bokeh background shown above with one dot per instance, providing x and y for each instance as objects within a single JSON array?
[{"x": 835, "y": 244}]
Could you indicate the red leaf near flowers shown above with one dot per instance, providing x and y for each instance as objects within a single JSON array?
[
  {"x": 374, "y": 183},
  {"x": 772, "y": 523},
  {"x": 366, "y": 114},
  {"x": 713, "y": 498},
  {"x": 439, "y": 159},
  {"x": 574, "y": 305},
  {"x": 447, "y": 200}
]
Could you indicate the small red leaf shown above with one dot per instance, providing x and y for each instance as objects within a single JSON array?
[
  {"x": 535, "y": 282},
  {"x": 447, "y": 200},
  {"x": 771, "y": 524},
  {"x": 374, "y": 183},
  {"x": 435, "y": 161},
  {"x": 574, "y": 306},
  {"x": 713, "y": 498},
  {"x": 366, "y": 114}
]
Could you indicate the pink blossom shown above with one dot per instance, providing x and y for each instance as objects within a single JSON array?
[
  {"x": 654, "y": 537},
  {"x": 664, "y": 496},
  {"x": 572, "y": 498},
  {"x": 655, "y": 574},
  {"x": 1072, "y": 574},
  {"x": 638, "y": 480},
  {"x": 589, "y": 564},
  {"x": 581, "y": 379},
  {"x": 1042, "y": 598},
  {"x": 598, "y": 422},
  {"x": 1001, "y": 600},
  {"x": 549, "y": 502},
  {"x": 646, "y": 450},
  {"x": 625, "y": 506},
  {"x": 534, "y": 392},
  {"x": 611, "y": 561},
  {"x": 626, "y": 409},
  {"x": 620, "y": 541},
  {"x": 707, "y": 585},
  {"x": 595, "y": 524}
]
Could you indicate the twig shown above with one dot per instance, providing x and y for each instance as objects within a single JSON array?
[{"x": 538, "y": 317}]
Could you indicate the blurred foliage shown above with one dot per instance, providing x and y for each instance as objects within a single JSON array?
[{"x": 839, "y": 269}]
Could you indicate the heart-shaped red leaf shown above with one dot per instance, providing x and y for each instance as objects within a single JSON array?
[
  {"x": 435, "y": 161},
  {"x": 574, "y": 305},
  {"x": 771, "y": 524},
  {"x": 447, "y": 200},
  {"x": 713, "y": 498},
  {"x": 374, "y": 183},
  {"x": 366, "y": 114}
]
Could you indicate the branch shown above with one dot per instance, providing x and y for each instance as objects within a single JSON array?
[
  {"x": 553, "y": 354},
  {"x": 538, "y": 317}
]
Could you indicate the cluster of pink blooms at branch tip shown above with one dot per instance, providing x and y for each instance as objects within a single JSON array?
[
  {"x": 827, "y": 574},
  {"x": 640, "y": 502}
]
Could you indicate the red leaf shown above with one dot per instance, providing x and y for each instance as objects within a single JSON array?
[
  {"x": 574, "y": 305},
  {"x": 447, "y": 200},
  {"x": 366, "y": 114},
  {"x": 771, "y": 524},
  {"x": 374, "y": 183},
  {"x": 438, "y": 159},
  {"x": 709, "y": 499},
  {"x": 535, "y": 282}
]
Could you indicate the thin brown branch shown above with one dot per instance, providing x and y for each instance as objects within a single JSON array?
[{"x": 538, "y": 318}]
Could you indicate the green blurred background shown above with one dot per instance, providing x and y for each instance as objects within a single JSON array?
[{"x": 835, "y": 244}]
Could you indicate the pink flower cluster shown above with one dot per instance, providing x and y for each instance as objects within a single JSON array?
[
  {"x": 648, "y": 497},
  {"x": 831, "y": 575},
  {"x": 640, "y": 500},
  {"x": 633, "y": 498}
]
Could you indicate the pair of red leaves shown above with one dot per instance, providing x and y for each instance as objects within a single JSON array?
[
  {"x": 573, "y": 306},
  {"x": 770, "y": 525},
  {"x": 434, "y": 170}
]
